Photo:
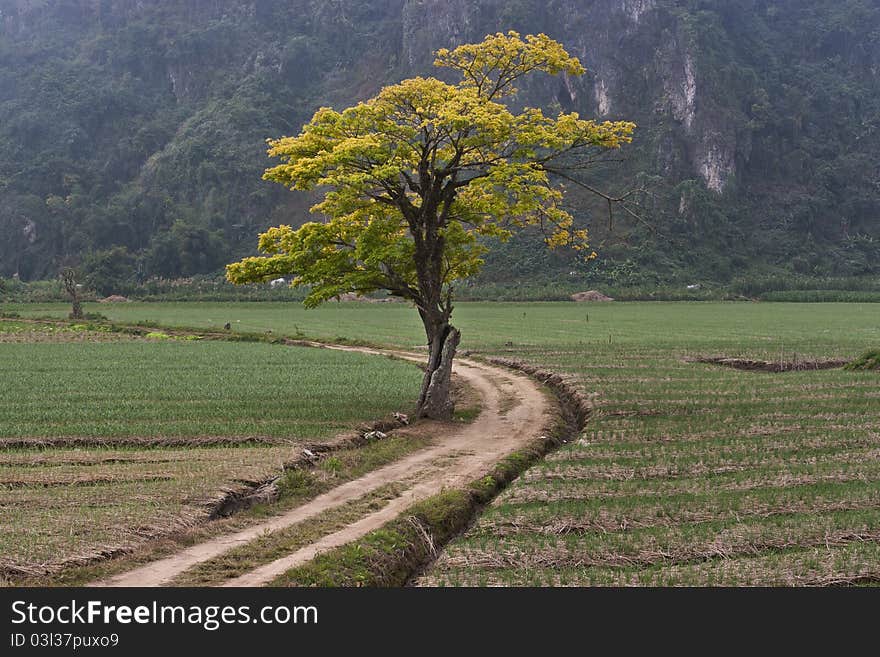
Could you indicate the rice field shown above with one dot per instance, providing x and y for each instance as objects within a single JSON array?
[
  {"x": 692, "y": 474},
  {"x": 763, "y": 330},
  {"x": 688, "y": 473},
  {"x": 107, "y": 440},
  {"x": 80, "y": 386}
]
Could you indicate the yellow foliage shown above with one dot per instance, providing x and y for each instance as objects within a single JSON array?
[{"x": 414, "y": 175}]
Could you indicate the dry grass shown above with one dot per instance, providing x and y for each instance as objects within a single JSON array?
[
  {"x": 76, "y": 534},
  {"x": 101, "y": 504},
  {"x": 853, "y": 562},
  {"x": 652, "y": 550}
]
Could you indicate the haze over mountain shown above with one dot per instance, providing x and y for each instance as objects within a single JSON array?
[{"x": 141, "y": 124}]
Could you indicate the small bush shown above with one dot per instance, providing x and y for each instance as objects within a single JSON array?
[
  {"x": 297, "y": 483},
  {"x": 867, "y": 361},
  {"x": 332, "y": 464}
]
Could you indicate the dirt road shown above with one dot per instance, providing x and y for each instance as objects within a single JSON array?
[{"x": 514, "y": 411}]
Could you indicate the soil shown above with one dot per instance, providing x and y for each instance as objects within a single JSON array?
[
  {"x": 351, "y": 296},
  {"x": 514, "y": 408},
  {"x": 591, "y": 295},
  {"x": 772, "y": 366}
]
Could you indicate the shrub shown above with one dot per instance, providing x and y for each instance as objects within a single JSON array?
[{"x": 867, "y": 361}]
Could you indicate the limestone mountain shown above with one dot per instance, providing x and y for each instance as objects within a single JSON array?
[{"x": 141, "y": 124}]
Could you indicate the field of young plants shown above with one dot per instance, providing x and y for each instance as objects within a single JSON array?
[
  {"x": 688, "y": 472},
  {"x": 695, "y": 474},
  {"x": 107, "y": 439}
]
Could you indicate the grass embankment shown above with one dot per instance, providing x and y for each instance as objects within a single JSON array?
[
  {"x": 391, "y": 555},
  {"x": 868, "y": 361}
]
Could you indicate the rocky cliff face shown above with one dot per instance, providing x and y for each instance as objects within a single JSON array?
[
  {"x": 122, "y": 121},
  {"x": 634, "y": 50}
]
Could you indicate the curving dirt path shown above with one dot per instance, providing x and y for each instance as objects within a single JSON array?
[{"x": 514, "y": 411}]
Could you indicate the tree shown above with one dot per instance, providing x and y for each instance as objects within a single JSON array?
[
  {"x": 68, "y": 281},
  {"x": 109, "y": 271},
  {"x": 417, "y": 175}
]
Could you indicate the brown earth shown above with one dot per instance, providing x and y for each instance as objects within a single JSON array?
[
  {"x": 591, "y": 295},
  {"x": 771, "y": 366},
  {"x": 351, "y": 296}
]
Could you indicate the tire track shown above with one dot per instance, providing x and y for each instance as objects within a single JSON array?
[{"x": 514, "y": 411}]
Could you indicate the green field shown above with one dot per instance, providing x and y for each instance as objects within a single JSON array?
[
  {"x": 169, "y": 388},
  {"x": 107, "y": 440},
  {"x": 693, "y": 474},
  {"x": 687, "y": 474},
  {"x": 760, "y": 329}
]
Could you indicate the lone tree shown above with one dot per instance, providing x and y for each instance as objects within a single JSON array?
[
  {"x": 415, "y": 176},
  {"x": 68, "y": 281}
]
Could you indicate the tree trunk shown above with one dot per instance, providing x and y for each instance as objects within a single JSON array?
[
  {"x": 76, "y": 309},
  {"x": 68, "y": 280},
  {"x": 435, "y": 401}
]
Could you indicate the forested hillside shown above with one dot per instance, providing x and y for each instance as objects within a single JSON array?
[{"x": 132, "y": 132}]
